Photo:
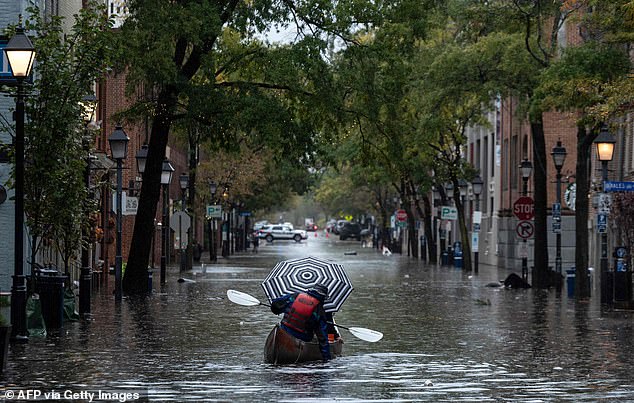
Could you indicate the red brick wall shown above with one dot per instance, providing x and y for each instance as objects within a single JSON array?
[{"x": 112, "y": 99}]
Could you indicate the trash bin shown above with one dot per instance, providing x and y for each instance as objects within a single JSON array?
[
  {"x": 444, "y": 258},
  {"x": 457, "y": 259},
  {"x": 149, "y": 279},
  {"x": 457, "y": 255},
  {"x": 49, "y": 284},
  {"x": 571, "y": 274}
]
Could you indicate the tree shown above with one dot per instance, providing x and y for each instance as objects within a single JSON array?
[
  {"x": 576, "y": 83},
  {"x": 539, "y": 21},
  {"x": 177, "y": 50}
]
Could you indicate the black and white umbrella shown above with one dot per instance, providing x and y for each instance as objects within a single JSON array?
[{"x": 298, "y": 275}]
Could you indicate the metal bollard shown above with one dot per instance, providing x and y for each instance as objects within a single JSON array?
[{"x": 85, "y": 286}]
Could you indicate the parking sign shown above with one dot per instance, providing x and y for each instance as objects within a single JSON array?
[{"x": 214, "y": 211}]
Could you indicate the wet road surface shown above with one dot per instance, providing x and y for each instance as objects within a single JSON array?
[{"x": 448, "y": 337}]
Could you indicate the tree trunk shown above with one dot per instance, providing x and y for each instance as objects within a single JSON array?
[
  {"x": 582, "y": 207},
  {"x": 135, "y": 279},
  {"x": 540, "y": 195},
  {"x": 429, "y": 232},
  {"x": 412, "y": 233}
]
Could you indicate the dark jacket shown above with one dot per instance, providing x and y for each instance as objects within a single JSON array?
[{"x": 315, "y": 325}]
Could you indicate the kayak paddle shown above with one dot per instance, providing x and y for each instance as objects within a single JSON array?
[
  {"x": 243, "y": 299},
  {"x": 362, "y": 333}
]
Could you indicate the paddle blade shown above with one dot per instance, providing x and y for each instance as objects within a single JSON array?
[
  {"x": 241, "y": 298},
  {"x": 366, "y": 334}
]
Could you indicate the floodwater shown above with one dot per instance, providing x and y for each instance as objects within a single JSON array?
[{"x": 448, "y": 337}]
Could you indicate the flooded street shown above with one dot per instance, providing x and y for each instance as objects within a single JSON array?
[{"x": 448, "y": 337}]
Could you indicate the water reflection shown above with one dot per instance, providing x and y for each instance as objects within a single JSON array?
[{"x": 447, "y": 338}]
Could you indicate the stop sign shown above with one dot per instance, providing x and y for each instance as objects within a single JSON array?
[
  {"x": 524, "y": 209},
  {"x": 401, "y": 215}
]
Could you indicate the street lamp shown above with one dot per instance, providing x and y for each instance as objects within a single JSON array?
[
  {"x": 559, "y": 156},
  {"x": 89, "y": 106},
  {"x": 166, "y": 177},
  {"x": 141, "y": 159},
  {"x": 476, "y": 184},
  {"x": 605, "y": 151},
  {"x": 119, "y": 147},
  {"x": 213, "y": 187},
  {"x": 20, "y": 54},
  {"x": 183, "y": 180},
  {"x": 526, "y": 168}
]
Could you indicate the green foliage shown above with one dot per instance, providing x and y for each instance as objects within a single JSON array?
[
  {"x": 579, "y": 79},
  {"x": 67, "y": 65},
  {"x": 4, "y": 301},
  {"x": 343, "y": 193},
  {"x": 622, "y": 212}
]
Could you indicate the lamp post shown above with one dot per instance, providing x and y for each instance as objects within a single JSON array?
[
  {"x": 166, "y": 177},
  {"x": 476, "y": 184},
  {"x": 141, "y": 159},
  {"x": 559, "y": 156},
  {"x": 226, "y": 229},
  {"x": 526, "y": 168},
  {"x": 119, "y": 147},
  {"x": 20, "y": 54},
  {"x": 89, "y": 105},
  {"x": 605, "y": 151},
  {"x": 213, "y": 187},
  {"x": 183, "y": 181}
]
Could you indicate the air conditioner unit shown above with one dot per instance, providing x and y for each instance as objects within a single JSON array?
[{"x": 491, "y": 187}]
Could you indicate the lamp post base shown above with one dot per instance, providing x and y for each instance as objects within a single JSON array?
[{"x": 19, "y": 332}]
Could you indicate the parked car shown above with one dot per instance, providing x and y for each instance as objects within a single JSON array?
[
  {"x": 278, "y": 232},
  {"x": 330, "y": 225},
  {"x": 258, "y": 225},
  {"x": 350, "y": 230},
  {"x": 338, "y": 226}
]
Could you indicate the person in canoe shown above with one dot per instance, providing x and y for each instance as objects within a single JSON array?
[{"x": 304, "y": 316}]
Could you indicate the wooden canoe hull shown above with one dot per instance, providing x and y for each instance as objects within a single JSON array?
[{"x": 282, "y": 348}]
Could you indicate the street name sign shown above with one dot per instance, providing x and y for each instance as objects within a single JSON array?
[
  {"x": 524, "y": 208},
  {"x": 610, "y": 186}
]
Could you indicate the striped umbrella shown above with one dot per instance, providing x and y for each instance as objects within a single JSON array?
[{"x": 297, "y": 275}]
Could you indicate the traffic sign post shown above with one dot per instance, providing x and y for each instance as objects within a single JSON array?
[
  {"x": 180, "y": 223},
  {"x": 524, "y": 208},
  {"x": 602, "y": 223},
  {"x": 214, "y": 211},
  {"x": 556, "y": 218},
  {"x": 448, "y": 213},
  {"x": 525, "y": 229}
]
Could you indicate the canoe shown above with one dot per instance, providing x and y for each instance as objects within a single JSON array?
[{"x": 282, "y": 348}]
